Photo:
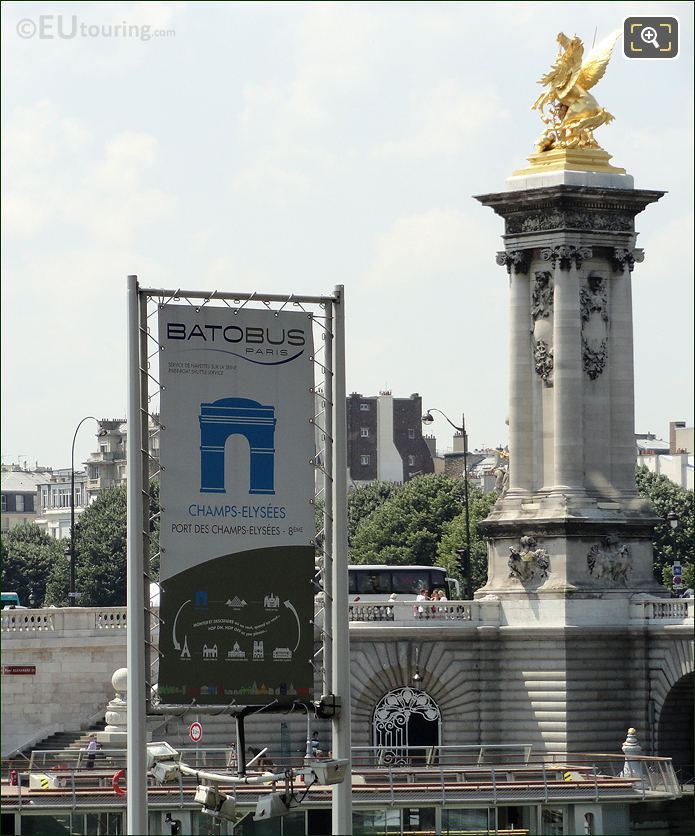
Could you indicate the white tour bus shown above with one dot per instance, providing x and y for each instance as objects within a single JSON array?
[{"x": 379, "y": 582}]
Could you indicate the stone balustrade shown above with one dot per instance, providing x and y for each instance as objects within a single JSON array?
[
  {"x": 85, "y": 621},
  {"x": 651, "y": 609},
  {"x": 95, "y": 621}
]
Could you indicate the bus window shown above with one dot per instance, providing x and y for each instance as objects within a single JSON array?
[
  {"x": 373, "y": 582},
  {"x": 411, "y": 582}
]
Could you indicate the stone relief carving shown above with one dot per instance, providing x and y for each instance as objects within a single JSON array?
[
  {"x": 565, "y": 254},
  {"x": 541, "y": 312},
  {"x": 609, "y": 560},
  {"x": 542, "y": 299},
  {"x": 623, "y": 257},
  {"x": 593, "y": 306},
  {"x": 594, "y": 359},
  {"x": 541, "y": 220},
  {"x": 543, "y": 359},
  {"x": 528, "y": 562},
  {"x": 593, "y": 299},
  {"x": 518, "y": 259}
]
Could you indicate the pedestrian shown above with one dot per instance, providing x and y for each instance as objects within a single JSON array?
[
  {"x": 92, "y": 747},
  {"x": 174, "y": 824}
]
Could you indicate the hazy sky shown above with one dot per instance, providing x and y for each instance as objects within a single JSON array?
[{"x": 291, "y": 147}]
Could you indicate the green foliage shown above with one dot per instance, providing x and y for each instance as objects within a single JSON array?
[
  {"x": 28, "y": 556},
  {"x": 408, "y": 526},
  {"x": 454, "y": 537},
  {"x": 101, "y": 552},
  {"x": 669, "y": 544},
  {"x": 363, "y": 501}
]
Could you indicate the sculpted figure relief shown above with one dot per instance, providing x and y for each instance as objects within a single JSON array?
[
  {"x": 609, "y": 560},
  {"x": 569, "y": 111},
  {"x": 528, "y": 562}
]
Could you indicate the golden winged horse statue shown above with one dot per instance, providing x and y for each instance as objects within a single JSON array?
[{"x": 570, "y": 112}]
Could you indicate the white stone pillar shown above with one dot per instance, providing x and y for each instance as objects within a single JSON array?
[
  {"x": 520, "y": 373},
  {"x": 621, "y": 361},
  {"x": 568, "y": 444}
]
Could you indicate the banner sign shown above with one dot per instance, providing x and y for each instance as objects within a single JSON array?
[
  {"x": 19, "y": 670},
  {"x": 237, "y": 519}
]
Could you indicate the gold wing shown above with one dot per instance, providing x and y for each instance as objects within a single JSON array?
[{"x": 595, "y": 63}]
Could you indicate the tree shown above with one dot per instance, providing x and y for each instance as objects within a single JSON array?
[
  {"x": 669, "y": 544},
  {"x": 363, "y": 501},
  {"x": 408, "y": 526},
  {"x": 454, "y": 538},
  {"x": 28, "y": 555},
  {"x": 101, "y": 551}
]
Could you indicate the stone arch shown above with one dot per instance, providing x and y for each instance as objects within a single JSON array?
[
  {"x": 675, "y": 728},
  {"x": 237, "y": 416},
  {"x": 448, "y": 675},
  {"x": 405, "y": 721}
]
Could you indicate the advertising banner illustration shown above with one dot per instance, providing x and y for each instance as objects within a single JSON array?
[{"x": 236, "y": 491}]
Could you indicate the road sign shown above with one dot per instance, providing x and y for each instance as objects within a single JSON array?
[
  {"x": 195, "y": 732},
  {"x": 677, "y": 580},
  {"x": 677, "y": 569}
]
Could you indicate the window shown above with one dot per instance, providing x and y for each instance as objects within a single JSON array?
[
  {"x": 4, "y": 502},
  {"x": 64, "y": 498},
  {"x": 19, "y": 502},
  {"x": 365, "y": 407},
  {"x": 364, "y": 432},
  {"x": 364, "y": 460},
  {"x": 411, "y": 432},
  {"x": 95, "y": 472},
  {"x": 411, "y": 461},
  {"x": 44, "y": 498},
  {"x": 102, "y": 447}
]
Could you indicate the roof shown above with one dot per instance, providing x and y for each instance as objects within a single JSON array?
[
  {"x": 652, "y": 444},
  {"x": 20, "y": 481}
]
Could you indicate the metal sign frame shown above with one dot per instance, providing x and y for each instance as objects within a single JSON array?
[{"x": 330, "y": 460}]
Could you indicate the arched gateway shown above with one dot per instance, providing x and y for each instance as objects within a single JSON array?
[{"x": 404, "y": 721}]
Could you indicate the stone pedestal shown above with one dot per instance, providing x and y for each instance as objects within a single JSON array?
[{"x": 570, "y": 531}]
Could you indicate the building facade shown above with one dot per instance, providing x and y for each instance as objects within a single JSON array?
[
  {"x": 106, "y": 467},
  {"x": 53, "y": 501},
  {"x": 385, "y": 440},
  {"x": 19, "y": 496}
]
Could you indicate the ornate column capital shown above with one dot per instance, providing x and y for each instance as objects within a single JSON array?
[
  {"x": 565, "y": 254},
  {"x": 518, "y": 259},
  {"x": 622, "y": 258}
]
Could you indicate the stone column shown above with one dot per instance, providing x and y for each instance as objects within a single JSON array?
[
  {"x": 520, "y": 372},
  {"x": 621, "y": 359},
  {"x": 568, "y": 445}
]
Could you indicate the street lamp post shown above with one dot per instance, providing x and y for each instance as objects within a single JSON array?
[
  {"x": 428, "y": 418},
  {"x": 72, "y": 595}
]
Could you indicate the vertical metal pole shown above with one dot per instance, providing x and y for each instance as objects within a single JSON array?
[
  {"x": 342, "y": 793},
  {"x": 329, "y": 404},
  {"x": 73, "y": 570},
  {"x": 240, "y": 746},
  {"x": 145, "y": 493},
  {"x": 467, "y": 567},
  {"x": 135, "y": 713}
]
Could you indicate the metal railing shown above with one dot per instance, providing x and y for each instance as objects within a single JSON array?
[{"x": 454, "y": 775}]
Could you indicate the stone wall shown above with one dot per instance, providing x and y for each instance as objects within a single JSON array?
[
  {"x": 558, "y": 688},
  {"x": 75, "y": 652}
]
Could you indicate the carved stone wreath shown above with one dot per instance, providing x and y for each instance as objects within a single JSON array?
[
  {"x": 528, "y": 562},
  {"x": 543, "y": 360},
  {"x": 594, "y": 359},
  {"x": 609, "y": 560}
]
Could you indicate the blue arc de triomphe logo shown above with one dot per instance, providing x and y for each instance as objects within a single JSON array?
[{"x": 237, "y": 416}]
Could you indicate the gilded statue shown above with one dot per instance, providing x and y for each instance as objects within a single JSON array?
[{"x": 570, "y": 112}]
